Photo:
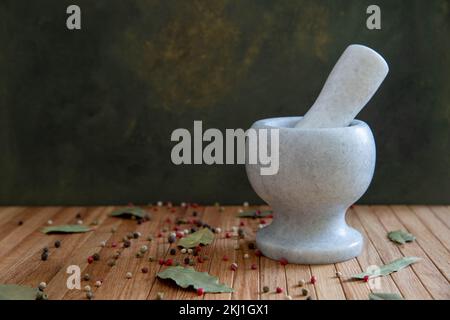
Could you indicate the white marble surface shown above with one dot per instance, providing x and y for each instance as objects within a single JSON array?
[{"x": 322, "y": 172}]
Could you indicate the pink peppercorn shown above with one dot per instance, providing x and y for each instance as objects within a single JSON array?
[
  {"x": 90, "y": 259},
  {"x": 169, "y": 262},
  {"x": 227, "y": 235},
  {"x": 234, "y": 266},
  {"x": 200, "y": 291},
  {"x": 144, "y": 270},
  {"x": 283, "y": 261},
  {"x": 114, "y": 244},
  {"x": 225, "y": 258},
  {"x": 313, "y": 279},
  {"x": 242, "y": 224},
  {"x": 279, "y": 290},
  {"x": 262, "y": 221},
  {"x": 254, "y": 267},
  {"x": 366, "y": 278},
  {"x": 258, "y": 253},
  {"x": 161, "y": 262}
]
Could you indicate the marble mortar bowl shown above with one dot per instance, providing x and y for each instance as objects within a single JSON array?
[{"x": 322, "y": 172}]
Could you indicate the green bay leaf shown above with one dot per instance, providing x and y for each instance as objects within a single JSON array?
[
  {"x": 384, "y": 296},
  {"x": 401, "y": 237},
  {"x": 16, "y": 292},
  {"x": 203, "y": 236},
  {"x": 186, "y": 277},
  {"x": 130, "y": 212},
  {"x": 66, "y": 228},
  {"x": 255, "y": 214},
  {"x": 389, "y": 268}
]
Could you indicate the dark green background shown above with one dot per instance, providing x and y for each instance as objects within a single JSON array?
[{"x": 86, "y": 116}]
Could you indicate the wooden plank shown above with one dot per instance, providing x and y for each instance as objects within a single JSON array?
[
  {"x": 425, "y": 270},
  {"x": 33, "y": 217},
  {"x": 369, "y": 257},
  {"x": 407, "y": 281},
  {"x": 87, "y": 246},
  {"x": 443, "y": 212},
  {"x": 223, "y": 246},
  {"x": 433, "y": 223},
  {"x": 171, "y": 290},
  {"x": 328, "y": 286},
  {"x": 426, "y": 239},
  {"x": 116, "y": 285},
  {"x": 246, "y": 280},
  {"x": 354, "y": 290}
]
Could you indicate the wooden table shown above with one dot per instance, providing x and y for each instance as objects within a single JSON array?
[{"x": 21, "y": 247}]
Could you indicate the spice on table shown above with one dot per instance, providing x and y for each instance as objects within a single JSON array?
[
  {"x": 86, "y": 277},
  {"x": 160, "y": 296},
  {"x": 98, "y": 283},
  {"x": 45, "y": 249},
  {"x": 129, "y": 275},
  {"x": 246, "y": 256},
  {"x": 168, "y": 262},
  {"x": 44, "y": 256},
  {"x": 183, "y": 251},
  {"x": 338, "y": 274},
  {"x": 305, "y": 292},
  {"x": 283, "y": 261},
  {"x": 254, "y": 267},
  {"x": 313, "y": 279},
  {"x": 139, "y": 254},
  {"x": 87, "y": 288},
  {"x": 41, "y": 295},
  {"x": 144, "y": 270},
  {"x": 251, "y": 245},
  {"x": 172, "y": 237},
  {"x": 96, "y": 256},
  {"x": 111, "y": 263},
  {"x": 151, "y": 259},
  {"x": 90, "y": 259},
  {"x": 143, "y": 249},
  {"x": 173, "y": 251},
  {"x": 50, "y": 222},
  {"x": 200, "y": 291},
  {"x": 190, "y": 251},
  {"x": 246, "y": 204},
  {"x": 127, "y": 243},
  {"x": 217, "y": 230},
  {"x": 136, "y": 235},
  {"x": 279, "y": 290},
  {"x": 42, "y": 286},
  {"x": 90, "y": 295},
  {"x": 225, "y": 258},
  {"x": 234, "y": 266},
  {"x": 302, "y": 282},
  {"x": 266, "y": 289},
  {"x": 258, "y": 253},
  {"x": 187, "y": 260},
  {"x": 103, "y": 244},
  {"x": 366, "y": 278}
]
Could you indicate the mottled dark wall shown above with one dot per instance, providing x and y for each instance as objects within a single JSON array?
[{"x": 86, "y": 116}]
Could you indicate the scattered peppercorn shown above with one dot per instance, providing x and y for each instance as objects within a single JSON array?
[
  {"x": 45, "y": 249},
  {"x": 338, "y": 274},
  {"x": 86, "y": 277},
  {"x": 258, "y": 253},
  {"x": 183, "y": 251},
  {"x": 150, "y": 238},
  {"x": 168, "y": 262},
  {"x": 103, "y": 244},
  {"x": 80, "y": 222},
  {"x": 42, "y": 286},
  {"x": 190, "y": 251},
  {"x": 234, "y": 266},
  {"x": 173, "y": 251},
  {"x": 194, "y": 214},
  {"x": 90, "y": 295},
  {"x": 217, "y": 230},
  {"x": 313, "y": 279},
  {"x": 241, "y": 233},
  {"x": 136, "y": 235},
  {"x": 172, "y": 238},
  {"x": 44, "y": 256},
  {"x": 305, "y": 292},
  {"x": 251, "y": 245},
  {"x": 129, "y": 275},
  {"x": 96, "y": 256},
  {"x": 87, "y": 288},
  {"x": 41, "y": 295},
  {"x": 187, "y": 260},
  {"x": 111, "y": 263},
  {"x": 254, "y": 267},
  {"x": 126, "y": 244},
  {"x": 50, "y": 222},
  {"x": 90, "y": 259},
  {"x": 200, "y": 291},
  {"x": 279, "y": 290},
  {"x": 151, "y": 259},
  {"x": 283, "y": 261},
  {"x": 98, "y": 284},
  {"x": 366, "y": 278},
  {"x": 160, "y": 296},
  {"x": 143, "y": 249},
  {"x": 302, "y": 282},
  {"x": 139, "y": 254},
  {"x": 78, "y": 216},
  {"x": 20, "y": 223},
  {"x": 144, "y": 270},
  {"x": 266, "y": 289},
  {"x": 246, "y": 256}
]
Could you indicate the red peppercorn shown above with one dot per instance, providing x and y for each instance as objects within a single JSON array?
[
  {"x": 179, "y": 234},
  {"x": 254, "y": 267},
  {"x": 161, "y": 262},
  {"x": 90, "y": 259},
  {"x": 313, "y": 279},
  {"x": 366, "y": 278},
  {"x": 144, "y": 270},
  {"x": 114, "y": 244},
  {"x": 242, "y": 224},
  {"x": 200, "y": 291},
  {"x": 160, "y": 235},
  {"x": 262, "y": 221},
  {"x": 270, "y": 216},
  {"x": 279, "y": 290},
  {"x": 234, "y": 266},
  {"x": 258, "y": 253},
  {"x": 283, "y": 261},
  {"x": 169, "y": 262},
  {"x": 227, "y": 235},
  {"x": 225, "y": 258},
  {"x": 168, "y": 220}
]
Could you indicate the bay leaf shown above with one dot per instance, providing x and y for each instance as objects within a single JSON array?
[
  {"x": 255, "y": 214},
  {"x": 401, "y": 237},
  {"x": 186, "y": 277},
  {"x": 384, "y": 296},
  {"x": 130, "y": 212},
  {"x": 203, "y": 236},
  {"x": 66, "y": 228},
  {"x": 389, "y": 268},
  {"x": 16, "y": 292}
]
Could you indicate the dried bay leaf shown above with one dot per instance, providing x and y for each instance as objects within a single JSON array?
[
  {"x": 255, "y": 214},
  {"x": 16, "y": 292},
  {"x": 384, "y": 296},
  {"x": 67, "y": 228},
  {"x": 203, "y": 236},
  {"x": 185, "y": 277},
  {"x": 401, "y": 237},
  {"x": 389, "y": 268},
  {"x": 130, "y": 212}
]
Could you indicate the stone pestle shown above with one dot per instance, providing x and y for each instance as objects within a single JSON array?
[{"x": 351, "y": 84}]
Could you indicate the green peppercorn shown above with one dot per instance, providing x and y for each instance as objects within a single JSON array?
[
  {"x": 90, "y": 295},
  {"x": 41, "y": 295},
  {"x": 160, "y": 296},
  {"x": 266, "y": 289},
  {"x": 143, "y": 249},
  {"x": 111, "y": 263},
  {"x": 151, "y": 259},
  {"x": 138, "y": 254},
  {"x": 305, "y": 292},
  {"x": 96, "y": 256}
]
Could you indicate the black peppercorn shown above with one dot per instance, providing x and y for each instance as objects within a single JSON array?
[
  {"x": 251, "y": 245},
  {"x": 57, "y": 244},
  {"x": 173, "y": 251},
  {"x": 96, "y": 256},
  {"x": 20, "y": 223},
  {"x": 136, "y": 235},
  {"x": 187, "y": 260},
  {"x": 44, "y": 256},
  {"x": 194, "y": 213},
  {"x": 126, "y": 243}
]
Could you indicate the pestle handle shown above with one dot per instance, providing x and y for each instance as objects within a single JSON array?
[{"x": 351, "y": 84}]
